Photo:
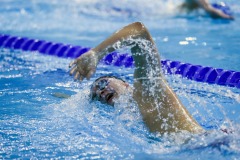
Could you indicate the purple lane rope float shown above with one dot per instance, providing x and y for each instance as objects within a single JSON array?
[{"x": 193, "y": 72}]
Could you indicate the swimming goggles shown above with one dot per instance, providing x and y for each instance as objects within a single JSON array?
[{"x": 100, "y": 85}]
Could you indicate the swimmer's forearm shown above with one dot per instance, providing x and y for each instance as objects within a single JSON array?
[
  {"x": 217, "y": 13},
  {"x": 134, "y": 30},
  {"x": 142, "y": 58},
  {"x": 212, "y": 11}
]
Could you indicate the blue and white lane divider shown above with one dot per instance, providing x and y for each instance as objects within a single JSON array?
[{"x": 194, "y": 72}]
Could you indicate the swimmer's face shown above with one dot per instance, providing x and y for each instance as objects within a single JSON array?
[{"x": 107, "y": 90}]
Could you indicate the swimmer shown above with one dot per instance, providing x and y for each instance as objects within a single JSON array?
[
  {"x": 161, "y": 109},
  {"x": 191, "y": 5}
]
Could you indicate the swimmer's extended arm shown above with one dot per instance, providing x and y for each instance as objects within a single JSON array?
[
  {"x": 162, "y": 111},
  {"x": 191, "y": 5},
  {"x": 85, "y": 65},
  {"x": 215, "y": 13}
]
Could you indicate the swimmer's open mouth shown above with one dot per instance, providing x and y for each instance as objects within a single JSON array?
[{"x": 109, "y": 97}]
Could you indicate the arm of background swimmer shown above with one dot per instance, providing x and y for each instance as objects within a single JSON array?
[
  {"x": 161, "y": 109},
  {"x": 215, "y": 13}
]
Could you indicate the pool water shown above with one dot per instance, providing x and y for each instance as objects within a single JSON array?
[{"x": 36, "y": 124}]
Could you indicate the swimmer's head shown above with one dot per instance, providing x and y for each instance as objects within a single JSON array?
[{"x": 107, "y": 89}]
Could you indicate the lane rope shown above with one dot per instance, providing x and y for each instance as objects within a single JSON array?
[{"x": 193, "y": 72}]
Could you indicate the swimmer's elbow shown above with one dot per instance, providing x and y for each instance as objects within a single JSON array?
[
  {"x": 141, "y": 30},
  {"x": 138, "y": 26}
]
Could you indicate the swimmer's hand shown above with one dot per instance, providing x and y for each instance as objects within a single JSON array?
[
  {"x": 84, "y": 66},
  {"x": 60, "y": 95},
  {"x": 220, "y": 14}
]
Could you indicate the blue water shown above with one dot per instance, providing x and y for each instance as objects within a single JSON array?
[{"x": 36, "y": 124}]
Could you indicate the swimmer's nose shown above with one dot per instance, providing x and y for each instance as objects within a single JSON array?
[{"x": 102, "y": 94}]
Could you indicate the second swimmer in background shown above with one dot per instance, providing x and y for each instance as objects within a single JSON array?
[{"x": 191, "y": 5}]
